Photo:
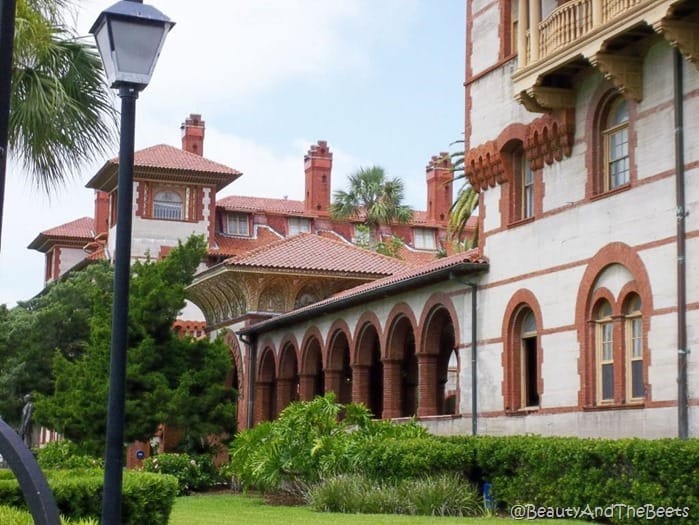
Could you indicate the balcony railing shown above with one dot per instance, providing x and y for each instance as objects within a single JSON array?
[{"x": 575, "y": 19}]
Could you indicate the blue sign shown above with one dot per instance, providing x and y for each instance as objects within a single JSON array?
[{"x": 140, "y": 454}]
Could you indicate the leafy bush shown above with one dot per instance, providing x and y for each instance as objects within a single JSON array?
[
  {"x": 65, "y": 455},
  {"x": 192, "y": 472},
  {"x": 12, "y": 516},
  {"x": 147, "y": 498},
  {"x": 309, "y": 442},
  {"x": 442, "y": 495}
]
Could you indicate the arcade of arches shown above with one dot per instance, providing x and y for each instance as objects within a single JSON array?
[{"x": 409, "y": 368}]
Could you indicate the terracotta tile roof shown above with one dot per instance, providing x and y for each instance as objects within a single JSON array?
[
  {"x": 227, "y": 245},
  {"x": 401, "y": 280},
  {"x": 261, "y": 204},
  {"x": 162, "y": 157},
  {"x": 77, "y": 231},
  {"x": 310, "y": 252}
]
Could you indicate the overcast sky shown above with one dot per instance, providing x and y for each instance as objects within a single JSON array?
[{"x": 380, "y": 80}]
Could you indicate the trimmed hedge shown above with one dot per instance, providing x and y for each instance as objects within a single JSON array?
[
  {"x": 13, "y": 516},
  {"x": 147, "y": 498},
  {"x": 548, "y": 472}
]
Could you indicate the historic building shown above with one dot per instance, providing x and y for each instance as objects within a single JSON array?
[{"x": 577, "y": 313}]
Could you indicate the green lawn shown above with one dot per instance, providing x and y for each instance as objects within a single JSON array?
[{"x": 234, "y": 509}]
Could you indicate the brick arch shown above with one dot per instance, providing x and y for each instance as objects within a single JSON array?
[
  {"x": 311, "y": 375},
  {"x": 401, "y": 346},
  {"x": 515, "y": 132},
  {"x": 288, "y": 374},
  {"x": 287, "y": 340},
  {"x": 265, "y": 386},
  {"x": 400, "y": 310},
  {"x": 231, "y": 340},
  {"x": 312, "y": 333},
  {"x": 626, "y": 256},
  {"x": 340, "y": 326},
  {"x": 511, "y": 350},
  {"x": 338, "y": 372},
  {"x": 438, "y": 342},
  {"x": 367, "y": 369},
  {"x": 432, "y": 305}
]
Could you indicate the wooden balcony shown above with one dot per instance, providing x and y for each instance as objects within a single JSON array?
[{"x": 610, "y": 35}]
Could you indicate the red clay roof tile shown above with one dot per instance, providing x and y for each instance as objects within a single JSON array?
[
  {"x": 310, "y": 252},
  {"x": 79, "y": 230}
]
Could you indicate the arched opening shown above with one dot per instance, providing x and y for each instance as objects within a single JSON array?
[
  {"x": 368, "y": 371},
  {"x": 437, "y": 352},
  {"x": 338, "y": 375},
  {"x": 312, "y": 380},
  {"x": 401, "y": 371},
  {"x": 288, "y": 380},
  {"x": 265, "y": 388}
]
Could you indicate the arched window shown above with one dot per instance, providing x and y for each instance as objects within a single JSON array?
[
  {"x": 633, "y": 328},
  {"x": 615, "y": 142},
  {"x": 167, "y": 204},
  {"x": 604, "y": 342},
  {"x": 529, "y": 369}
]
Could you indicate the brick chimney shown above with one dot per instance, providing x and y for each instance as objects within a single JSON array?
[
  {"x": 193, "y": 134},
  {"x": 101, "y": 212},
  {"x": 318, "y": 164},
  {"x": 439, "y": 188}
]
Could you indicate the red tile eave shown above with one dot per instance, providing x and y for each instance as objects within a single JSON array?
[{"x": 469, "y": 261}]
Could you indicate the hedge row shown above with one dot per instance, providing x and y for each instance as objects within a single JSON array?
[
  {"x": 550, "y": 473},
  {"x": 13, "y": 516},
  {"x": 147, "y": 499}
]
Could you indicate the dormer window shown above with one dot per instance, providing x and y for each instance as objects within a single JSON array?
[
  {"x": 168, "y": 205},
  {"x": 298, "y": 225},
  {"x": 424, "y": 239},
  {"x": 237, "y": 224}
]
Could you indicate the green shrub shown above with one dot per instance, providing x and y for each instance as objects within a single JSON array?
[
  {"x": 13, "y": 516},
  {"x": 310, "y": 441},
  {"x": 65, "y": 454},
  {"x": 442, "y": 495},
  {"x": 147, "y": 498},
  {"x": 192, "y": 472}
]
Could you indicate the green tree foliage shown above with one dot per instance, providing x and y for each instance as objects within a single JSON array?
[
  {"x": 169, "y": 380},
  {"x": 61, "y": 110},
  {"x": 56, "y": 320},
  {"x": 373, "y": 199}
]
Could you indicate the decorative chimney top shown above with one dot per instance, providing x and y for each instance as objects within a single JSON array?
[{"x": 193, "y": 134}]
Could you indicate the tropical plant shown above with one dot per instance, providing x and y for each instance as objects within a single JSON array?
[
  {"x": 61, "y": 110},
  {"x": 372, "y": 199},
  {"x": 465, "y": 203}
]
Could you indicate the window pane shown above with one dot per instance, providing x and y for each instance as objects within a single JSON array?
[
  {"x": 636, "y": 338},
  {"x": 607, "y": 382},
  {"x": 167, "y": 205},
  {"x": 637, "y": 389},
  {"x": 238, "y": 224},
  {"x": 529, "y": 323},
  {"x": 424, "y": 239},
  {"x": 607, "y": 350}
]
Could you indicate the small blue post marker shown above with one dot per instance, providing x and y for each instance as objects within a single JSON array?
[
  {"x": 140, "y": 455},
  {"x": 488, "y": 497}
]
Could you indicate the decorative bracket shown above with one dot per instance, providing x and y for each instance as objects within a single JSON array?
[
  {"x": 625, "y": 72},
  {"x": 541, "y": 99},
  {"x": 682, "y": 35}
]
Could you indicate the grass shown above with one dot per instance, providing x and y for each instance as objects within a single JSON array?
[{"x": 226, "y": 508}]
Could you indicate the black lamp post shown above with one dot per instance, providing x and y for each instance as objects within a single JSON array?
[{"x": 129, "y": 37}]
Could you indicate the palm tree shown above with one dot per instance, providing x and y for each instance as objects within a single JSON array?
[
  {"x": 466, "y": 201},
  {"x": 61, "y": 108},
  {"x": 373, "y": 199}
]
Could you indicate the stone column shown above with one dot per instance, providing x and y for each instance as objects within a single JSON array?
[
  {"x": 263, "y": 401},
  {"x": 596, "y": 13},
  {"x": 285, "y": 395},
  {"x": 534, "y": 19},
  {"x": 522, "y": 24}
]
